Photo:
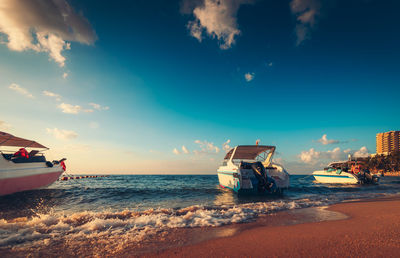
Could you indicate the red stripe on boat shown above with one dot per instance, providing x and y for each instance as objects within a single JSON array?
[{"x": 17, "y": 184}]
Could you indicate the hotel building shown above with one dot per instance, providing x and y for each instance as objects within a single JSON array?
[{"x": 387, "y": 142}]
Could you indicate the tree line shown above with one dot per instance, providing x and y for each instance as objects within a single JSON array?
[{"x": 385, "y": 163}]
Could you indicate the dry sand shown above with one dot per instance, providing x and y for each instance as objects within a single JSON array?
[{"x": 373, "y": 230}]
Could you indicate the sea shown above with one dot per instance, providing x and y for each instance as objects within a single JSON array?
[{"x": 132, "y": 207}]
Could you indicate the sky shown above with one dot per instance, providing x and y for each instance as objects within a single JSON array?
[{"x": 168, "y": 87}]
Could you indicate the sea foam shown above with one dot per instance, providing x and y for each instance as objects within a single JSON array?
[{"x": 136, "y": 224}]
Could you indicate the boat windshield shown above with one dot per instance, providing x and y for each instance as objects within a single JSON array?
[{"x": 250, "y": 153}]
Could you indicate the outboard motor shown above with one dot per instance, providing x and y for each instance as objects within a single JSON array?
[
  {"x": 264, "y": 183},
  {"x": 366, "y": 177},
  {"x": 259, "y": 172}
]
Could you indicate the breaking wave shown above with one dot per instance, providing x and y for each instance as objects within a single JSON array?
[{"x": 46, "y": 227}]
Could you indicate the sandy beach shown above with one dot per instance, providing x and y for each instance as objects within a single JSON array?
[{"x": 372, "y": 230}]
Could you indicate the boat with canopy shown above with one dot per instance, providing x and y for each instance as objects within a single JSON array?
[
  {"x": 249, "y": 168},
  {"x": 23, "y": 165},
  {"x": 345, "y": 172}
]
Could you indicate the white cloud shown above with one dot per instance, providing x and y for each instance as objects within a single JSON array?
[
  {"x": 361, "y": 153},
  {"x": 335, "y": 154},
  {"x": 249, "y": 76},
  {"x": 176, "y": 152},
  {"x": 312, "y": 156},
  {"x": 62, "y": 134},
  {"x": 73, "y": 109},
  {"x": 225, "y": 146},
  {"x": 98, "y": 106},
  {"x": 15, "y": 87},
  {"x": 307, "y": 13},
  {"x": 52, "y": 94},
  {"x": 4, "y": 126},
  {"x": 43, "y": 26},
  {"x": 70, "y": 109},
  {"x": 324, "y": 140},
  {"x": 185, "y": 150},
  {"x": 309, "y": 156},
  {"x": 206, "y": 147},
  {"x": 65, "y": 75},
  {"x": 217, "y": 18}
]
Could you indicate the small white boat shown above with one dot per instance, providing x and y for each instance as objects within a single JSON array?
[
  {"x": 21, "y": 171},
  {"x": 249, "y": 168},
  {"x": 337, "y": 175}
]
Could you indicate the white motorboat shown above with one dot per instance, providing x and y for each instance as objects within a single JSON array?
[
  {"x": 23, "y": 170},
  {"x": 249, "y": 168},
  {"x": 334, "y": 174}
]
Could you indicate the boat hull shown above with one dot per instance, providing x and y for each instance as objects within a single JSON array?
[
  {"x": 17, "y": 177},
  {"x": 30, "y": 182},
  {"x": 333, "y": 178},
  {"x": 243, "y": 181},
  {"x": 228, "y": 180}
]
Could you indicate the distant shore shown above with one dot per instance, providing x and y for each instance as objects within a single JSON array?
[{"x": 397, "y": 173}]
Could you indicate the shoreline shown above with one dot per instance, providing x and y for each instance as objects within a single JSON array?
[
  {"x": 394, "y": 174},
  {"x": 371, "y": 229},
  {"x": 367, "y": 227}
]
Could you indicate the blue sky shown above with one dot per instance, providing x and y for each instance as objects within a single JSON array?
[{"x": 160, "y": 86}]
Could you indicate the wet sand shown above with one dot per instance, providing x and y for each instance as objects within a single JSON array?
[
  {"x": 372, "y": 230},
  {"x": 357, "y": 229}
]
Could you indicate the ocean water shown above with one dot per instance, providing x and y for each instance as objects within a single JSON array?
[{"x": 132, "y": 207}]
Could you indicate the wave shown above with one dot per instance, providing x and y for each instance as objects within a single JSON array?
[{"x": 136, "y": 224}]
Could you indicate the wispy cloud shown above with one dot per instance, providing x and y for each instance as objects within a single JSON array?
[
  {"x": 65, "y": 75},
  {"x": 325, "y": 141},
  {"x": 225, "y": 145},
  {"x": 307, "y": 13},
  {"x": 15, "y": 87},
  {"x": 70, "y": 109},
  {"x": 62, "y": 134},
  {"x": 175, "y": 151},
  {"x": 76, "y": 109},
  {"x": 43, "y": 26},
  {"x": 52, "y": 94},
  {"x": 249, "y": 77},
  {"x": 215, "y": 18},
  {"x": 206, "y": 147},
  {"x": 98, "y": 106},
  {"x": 4, "y": 126},
  {"x": 185, "y": 150}
]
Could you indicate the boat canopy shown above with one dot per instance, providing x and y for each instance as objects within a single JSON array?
[
  {"x": 9, "y": 140},
  {"x": 249, "y": 151}
]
